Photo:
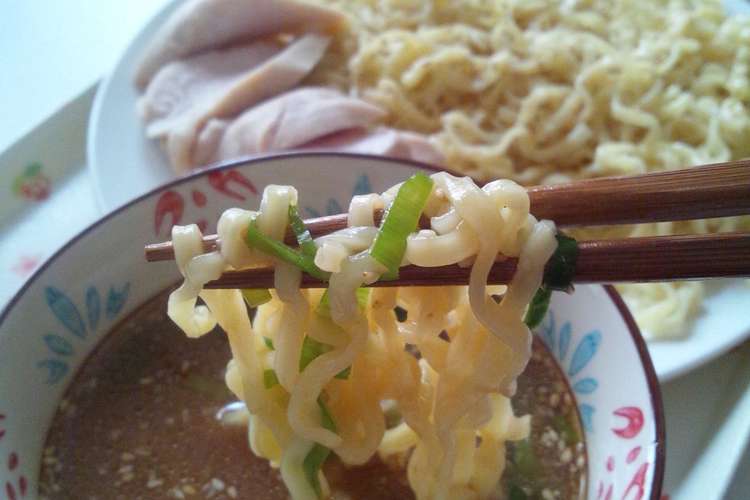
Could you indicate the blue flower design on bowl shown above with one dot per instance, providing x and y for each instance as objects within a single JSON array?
[
  {"x": 574, "y": 363},
  {"x": 77, "y": 325}
]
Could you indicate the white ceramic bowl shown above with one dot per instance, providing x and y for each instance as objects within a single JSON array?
[{"x": 100, "y": 276}]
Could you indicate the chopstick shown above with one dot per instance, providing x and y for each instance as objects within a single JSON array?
[
  {"x": 716, "y": 190},
  {"x": 655, "y": 258}
]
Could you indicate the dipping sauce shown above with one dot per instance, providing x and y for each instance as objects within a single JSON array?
[{"x": 139, "y": 422}]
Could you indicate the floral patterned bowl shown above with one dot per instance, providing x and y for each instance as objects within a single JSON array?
[{"x": 99, "y": 277}]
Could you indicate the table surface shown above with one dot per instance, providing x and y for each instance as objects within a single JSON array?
[{"x": 51, "y": 51}]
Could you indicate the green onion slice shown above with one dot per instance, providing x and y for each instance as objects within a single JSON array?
[
  {"x": 255, "y": 296},
  {"x": 270, "y": 379},
  {"x": 559, "y": 272},
  {"x": 524, "y": 459},
  {"x": 399, "y": 221},
  {"x": 304, "y": 238},
  {"x": 255, "y": 239},
  {"x": 538, "y": 307},
  {"x": 311, "y": 349},
  {"x": 558, "y": 275},
  {"x": 324, "y": 306},
  {"x": 315, "y": 458}
]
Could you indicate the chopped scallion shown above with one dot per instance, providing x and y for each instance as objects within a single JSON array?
[
  {"x": 255, "y": 296},
  {"x": 538, "y": 307},
  {"x": 311, "y": 349},
  {"x": 270, "y": 379},
  {"x": 524, "y": 459},
  {"x": 324, "y": 306},
  {"x": 558, "y": 275},
  {"x": 315, "y": 458},
  {"x": 515, "y": 492},
  {"x": 399, "y": 221},
  {"x": 304, "y": 238},
  {"x": 255, "y": 239},
  {"x": 561, "y": 268}
]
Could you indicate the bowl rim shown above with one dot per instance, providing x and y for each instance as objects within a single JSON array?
[{"x": 640, "y": 343}]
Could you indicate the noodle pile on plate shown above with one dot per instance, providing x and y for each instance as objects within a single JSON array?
[
  {"x": 546, "y": 91},
  {"x": 316, "y": 369}
]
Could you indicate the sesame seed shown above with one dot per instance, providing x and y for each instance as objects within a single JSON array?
[
  {"x": 548, "y": 494},
  {"x": 154, "y": 483},
  {"x": 125, "y": 469},
  {"x": 549, "y": 437},
  {"x": 554, "y": 399},
  {"x": 176, "y": 493}
]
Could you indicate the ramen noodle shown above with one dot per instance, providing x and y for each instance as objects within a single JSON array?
[{"x": 316, "y": 368}]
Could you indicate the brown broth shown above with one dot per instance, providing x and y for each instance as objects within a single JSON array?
[{"x": 139, "y": 422}]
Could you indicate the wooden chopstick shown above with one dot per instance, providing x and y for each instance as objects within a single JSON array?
[
  {"x": 717, "y": 190},
  {"x": 656, "y": 258}
]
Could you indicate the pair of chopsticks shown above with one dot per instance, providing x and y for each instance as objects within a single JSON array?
[{"x": 718, "y": 190}]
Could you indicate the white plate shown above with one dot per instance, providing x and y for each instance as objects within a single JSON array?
[{"x": 124, "y": 164}]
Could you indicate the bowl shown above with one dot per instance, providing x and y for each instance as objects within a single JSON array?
[{"x": 68, "y": 306}]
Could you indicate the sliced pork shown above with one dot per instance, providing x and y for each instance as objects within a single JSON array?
[
  {"x": 194, "y": 86},
  {"x": 383, "y": 142},
  {"x": 203, "y": 25},
  {"x": 186, "y": 94},
  {"x": 294, "y": 119}
]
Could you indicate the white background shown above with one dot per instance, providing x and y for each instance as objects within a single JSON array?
[{"x": 50, "y": 50}]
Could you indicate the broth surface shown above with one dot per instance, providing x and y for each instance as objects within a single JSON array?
[{"x": 139, "y": 422}]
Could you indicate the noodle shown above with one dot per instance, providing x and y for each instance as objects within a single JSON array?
[
  {"x": 548, "y": 91},
  {"x": 454, "y": 393}
]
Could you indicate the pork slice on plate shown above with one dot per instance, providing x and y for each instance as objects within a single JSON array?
[
  {"x": 207, "y": 142},
  {"x": 203, "y": 25},
  {"x": 186, "y": 94},
  {"x": 195, "y": 85},
  {"x": 383, "y": 142},
  {"x": 293, "y": 119}
]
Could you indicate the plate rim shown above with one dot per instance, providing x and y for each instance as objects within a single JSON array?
[{"x": 103, "y": 90}]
